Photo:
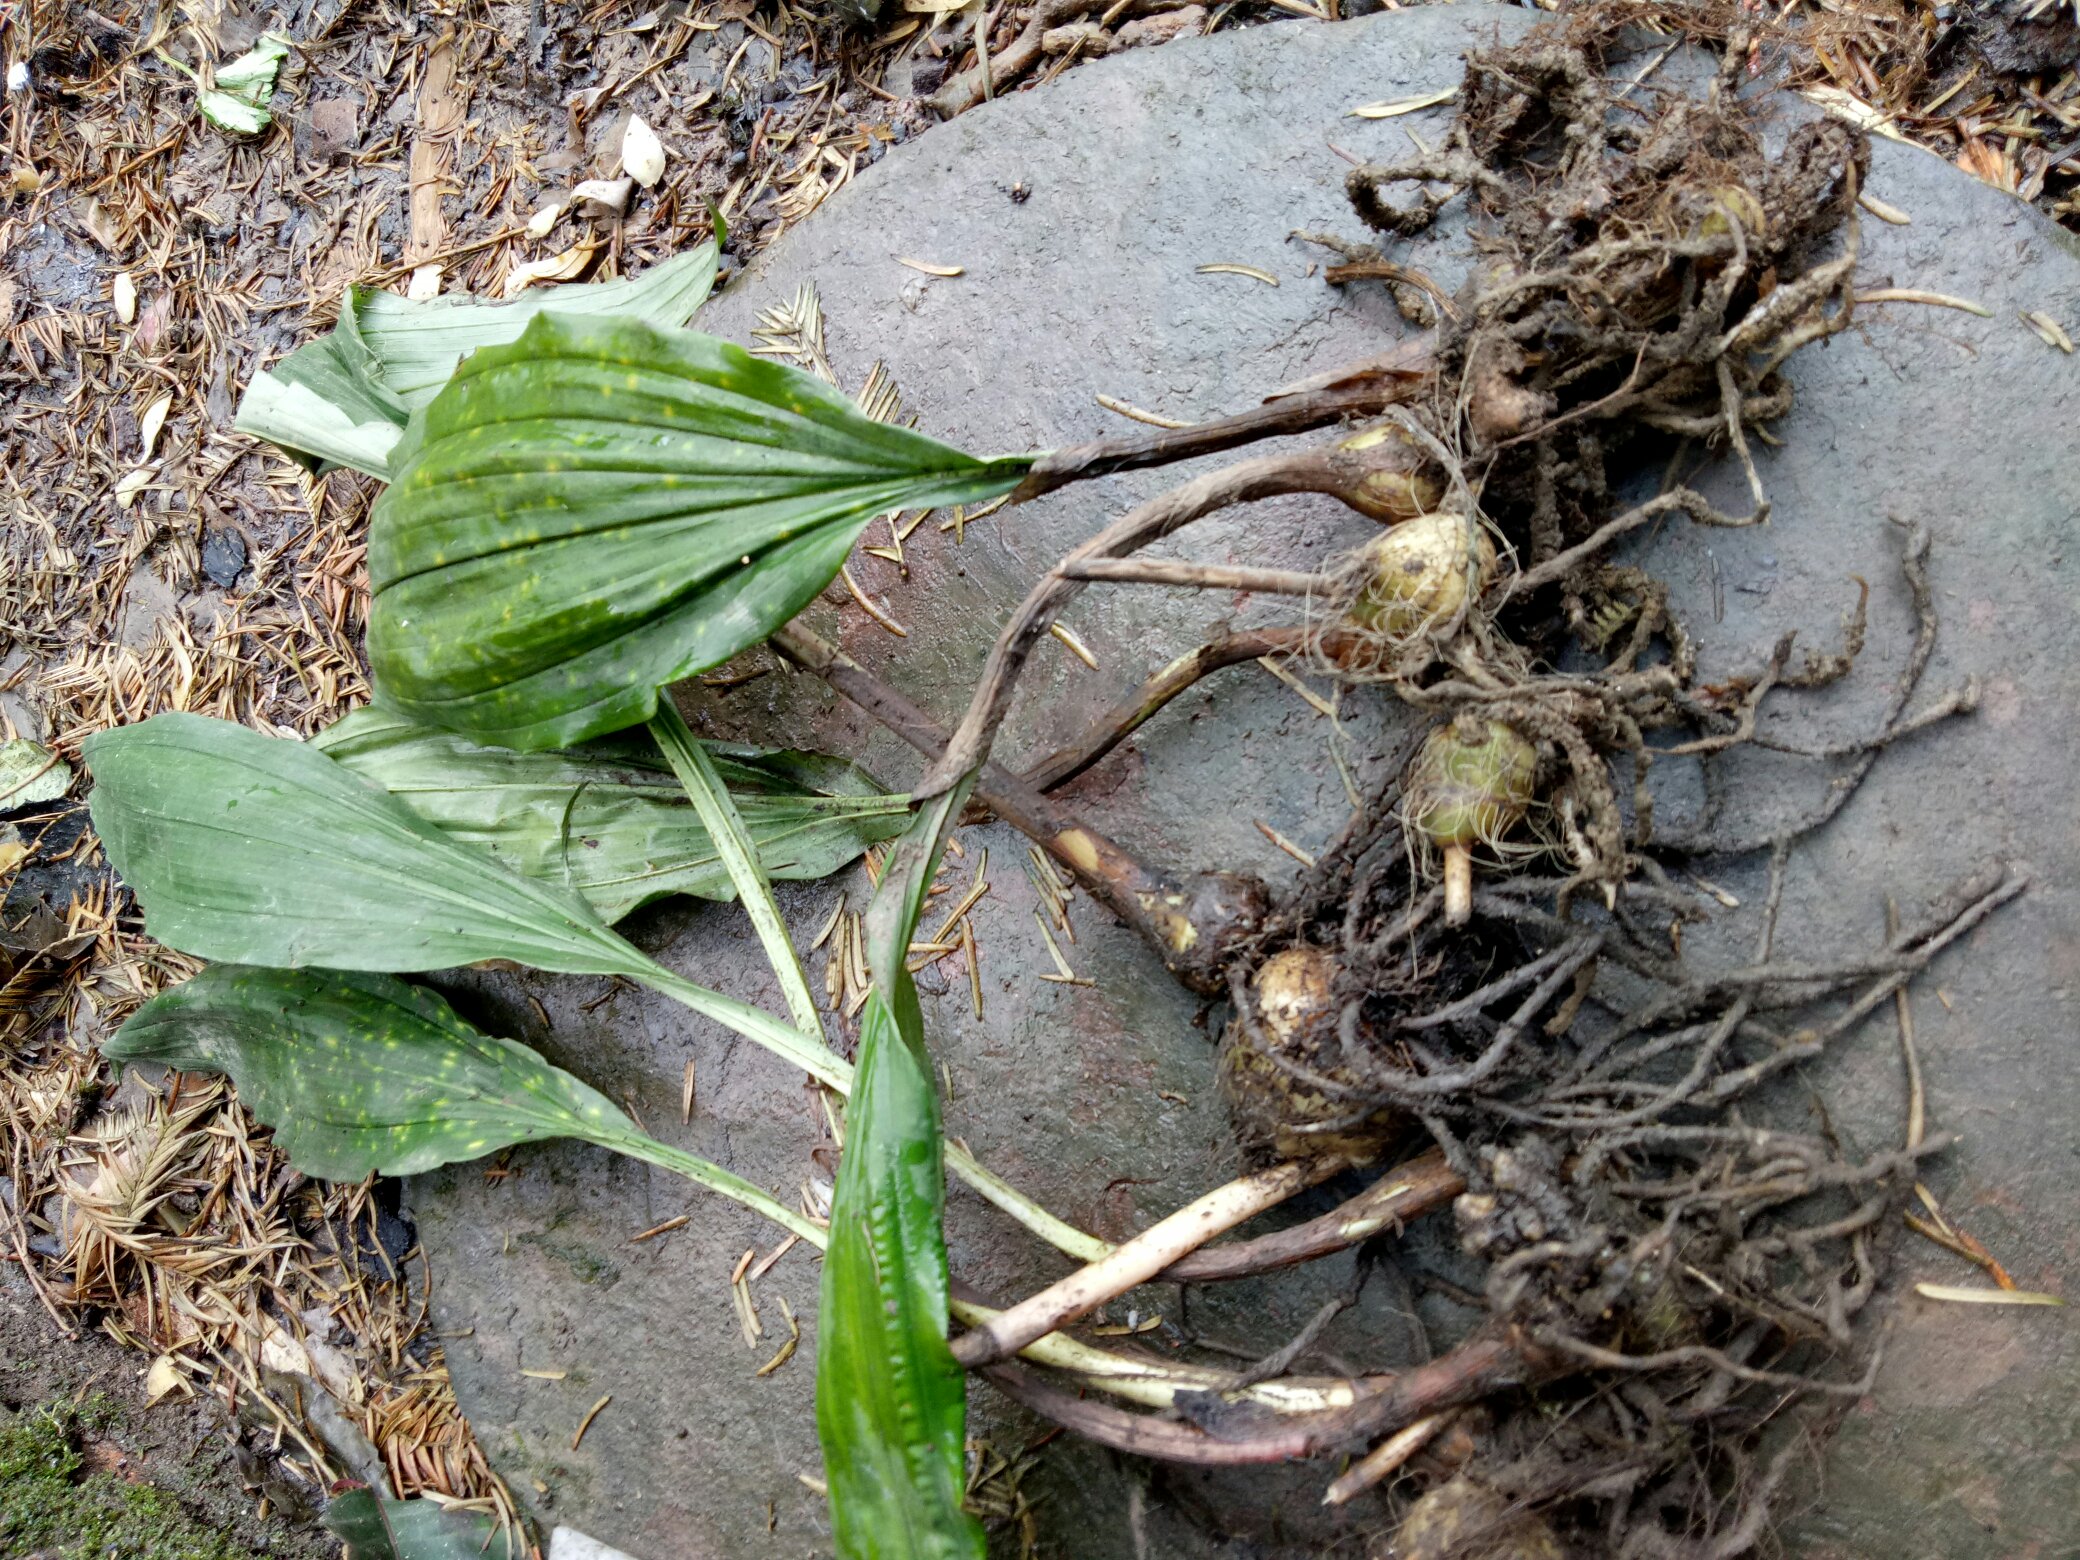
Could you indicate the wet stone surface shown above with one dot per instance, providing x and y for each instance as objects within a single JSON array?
[{"x": 1099, "y": 1099}]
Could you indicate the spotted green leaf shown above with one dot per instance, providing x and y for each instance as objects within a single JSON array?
[
  {"x": 891, "y": 1402},
  {"x": 345, "y": 398},
  {"x": 361, "y": 1073},
  {"x": 603, "y": 508},
  {"x": 262, "y": 850},
  {"x": 610, "y": 821}
]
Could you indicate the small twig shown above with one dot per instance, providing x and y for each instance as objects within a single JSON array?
[
  {"x": 1917, "y": 1101},
  {"x": 1199, "y": 576},
  {"x": 1144, "y": 899},
  {"x": 1136, "y": 709}
]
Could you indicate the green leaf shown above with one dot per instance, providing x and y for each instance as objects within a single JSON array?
[
  {"x": 262, "y": 850},
  {"x": 346, "y": 397},
  {"x": 705, "y": 789},
  {"x": 891, "y": 1402},
  {"x": 250, "y": 78},
  {"x": 603, "y": 508},
  {"x": 361, "y": 1073},
  {"x": 238, "y": 99},
  {"x": 373, "y": 1528},
  {"x": 609, "y": 821}
]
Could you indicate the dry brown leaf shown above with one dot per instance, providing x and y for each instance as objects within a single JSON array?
[
  {"x": 163, "y": 1377},
  {"x": 150, "y": 422},
  {"x": 127, "y": 488},
  {"x": 931, "y": 270},
  {"x": 554, "y": 268}
]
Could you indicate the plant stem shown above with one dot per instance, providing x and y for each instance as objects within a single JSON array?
[
  {"x": 792, "y": 1046},
  {"x": 716, "y": 1179},
  {"x": 1152, "y": 1383},
  {"x": 1199, "y": 576},
  {"x": 1405, "y": 1192},
  {"x": 1157, "y": 906},
  {"x": 733, "y": 843},
  {"x": 1157, "y": 1383},
  {"x": 1360, "y": 389},
  {"x": 754, "y": 1024},
  {"x": 1330, "y": 470},
  {"x": 1000, "y": 1194},
  {"x": 1138, "y": 707},
  {"x": 1458, "y": 884},
  {"x": 1386, "y": 1458},
  {"x": 1139, "y": 1260}
]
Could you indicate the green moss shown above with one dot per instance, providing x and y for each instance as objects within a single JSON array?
[{"x": 46, "y": 1505}]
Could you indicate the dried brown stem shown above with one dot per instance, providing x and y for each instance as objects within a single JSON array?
[
  {"x": 1199, "y": 576},
  {"x": 1135, "y": 710},
  {"x": 1406, "y": 1192},
  {"x": 1328, "y": 470},
  {"x": 1356, "y": 391}
]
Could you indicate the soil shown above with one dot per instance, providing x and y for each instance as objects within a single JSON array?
[{"x": 165, "y": 1481}]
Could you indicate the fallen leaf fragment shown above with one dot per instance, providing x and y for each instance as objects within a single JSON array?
[
  {"x": 607, "y": 196},
  {"x": 1964, "y": 1295},
  {"x": 238, "y": 100},
  {"x": 539, "y": 224},
  {"x": 1884, "y": 211},
  {"x": 151, "y": 422},
  {"x": 931, "y": 270},
  {"x": 642, "y": 153},
  {"x": 162, "y": 1378},
  {"x": 127, "y": 488},
  {"x": 1396, "y": 107},
  {"x": 553, "y": 268},
  {"x": 122, "y": 292},
  {"x": 1223, "y": 268},
  {"x": 2049, "y": 329},
  {"x": 1844, "y": 105}
]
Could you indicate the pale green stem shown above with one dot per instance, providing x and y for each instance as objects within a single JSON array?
[
  {"x": 813, "y": 1058},
  {"x": 716, "y": 1179},
  {"x": 1000, "y": 1194},
  {"x": 1149, "y": 1382},
  {"x": 739, "y": 852},
  {"x": 776, "y": 1035}
]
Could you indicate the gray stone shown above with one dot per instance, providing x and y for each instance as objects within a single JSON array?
[{"x": 1099, "y": 1100}]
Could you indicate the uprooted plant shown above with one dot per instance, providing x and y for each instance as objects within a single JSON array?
[{"x": 583, "y": 515}]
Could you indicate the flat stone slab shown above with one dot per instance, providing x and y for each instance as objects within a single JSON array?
[{"x": 1080, "y": 216}]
